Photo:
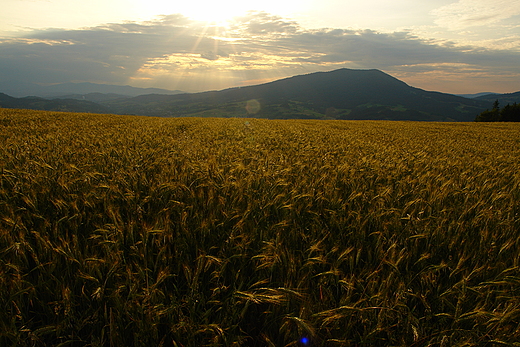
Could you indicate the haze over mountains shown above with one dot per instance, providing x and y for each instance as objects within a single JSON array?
[
  {"x": 338, "y": 94},
  {"x": 20, "y": 89}
]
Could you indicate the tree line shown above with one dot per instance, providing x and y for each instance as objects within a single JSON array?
[{"x": 509, "y": 113}]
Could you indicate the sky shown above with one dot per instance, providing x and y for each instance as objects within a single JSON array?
[{"x": 451, "y": 46}]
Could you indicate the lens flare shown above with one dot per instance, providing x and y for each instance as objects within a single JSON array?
[
  {"x": 304, "y": 341},
  {"x": 253, "y": 106}
]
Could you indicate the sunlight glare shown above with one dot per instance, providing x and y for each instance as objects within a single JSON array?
[
  {"x": 221, "y": 11},
  {"x": 207, "y": 11}
]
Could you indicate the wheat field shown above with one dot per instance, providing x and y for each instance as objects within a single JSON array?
[{"x": 136, "y": 231}]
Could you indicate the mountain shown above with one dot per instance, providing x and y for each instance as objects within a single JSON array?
[
  {"x": 338, "y": 94},
  {"x": 20, "y": 89},
  {"x": 66, "y": 105},
  {"x": 503, "y": 99}
]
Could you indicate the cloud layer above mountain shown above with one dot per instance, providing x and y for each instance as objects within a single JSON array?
[
  {"x": 471, "y": 13},
  {"x": 175, "y": 52}
]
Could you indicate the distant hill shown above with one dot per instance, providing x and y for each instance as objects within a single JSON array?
[
  {"x": 65, "y": 105},
  {"x": 94, "y": 97},
  {"x": 476, "y": 95},
  {"x": 20, "y": 89},
  {"x": 339, "y": 94},
  {"x": 503, "y": 99}
]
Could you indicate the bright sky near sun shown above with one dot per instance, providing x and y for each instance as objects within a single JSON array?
[
  {"x": 367, "y": 14},
  {"x": 458, "y": 46}
]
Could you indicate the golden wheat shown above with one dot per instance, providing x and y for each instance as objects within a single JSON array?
[{"x": 119, "y": 231}]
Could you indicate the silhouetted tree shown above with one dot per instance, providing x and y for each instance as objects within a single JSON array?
[
  {"x": 496, "y": 106},
  {"x": 510, "y": 113}
]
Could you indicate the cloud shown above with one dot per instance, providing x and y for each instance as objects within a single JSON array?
[
  {"x": 109, "y": 53},
  {"x": 261, "y": 23},
  {"x": 179, "y": 53},
  {"x": 470, "y": 13}
]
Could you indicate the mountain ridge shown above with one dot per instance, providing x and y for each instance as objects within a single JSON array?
[
  {"x": 65, "y": 105},
  {"x": 476, "y": 95},
  {"x": 337, "y": 94},
  {"x": 503, "y": 99},
  {"x": 20, "y": 89}
]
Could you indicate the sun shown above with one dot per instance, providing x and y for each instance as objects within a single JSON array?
[
  {"x": 208, "y": 11},
  {"x": 221, "y": 11}
]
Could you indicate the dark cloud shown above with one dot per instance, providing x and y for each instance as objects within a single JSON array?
[
  {"x": 110, "y": 53},
  {"x": 256, "y": 46}
]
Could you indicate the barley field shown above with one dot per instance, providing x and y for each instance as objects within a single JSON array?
[{"x": 135, "y": 231}]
